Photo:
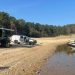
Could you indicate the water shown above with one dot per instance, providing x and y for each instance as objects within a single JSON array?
[{"x": 61, "y": 63}]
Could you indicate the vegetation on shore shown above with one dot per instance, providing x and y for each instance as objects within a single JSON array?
[
  {"x": 66, "y": 49},
  {"x": 32, "y": 29}
]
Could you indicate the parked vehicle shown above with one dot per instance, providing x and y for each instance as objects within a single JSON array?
[
  {"x": 22, "y": 39},
  {"x": 71, "y": 42},
  {"x": 5, "y": 37}
]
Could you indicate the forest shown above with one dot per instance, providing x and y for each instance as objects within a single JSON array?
[{"x": 32, "y": 29}]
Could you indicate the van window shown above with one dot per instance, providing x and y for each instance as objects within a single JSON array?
[{"x": 21, "y": 37}]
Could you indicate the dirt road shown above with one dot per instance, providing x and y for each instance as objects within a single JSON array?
[{"x": 26, "y": 61}]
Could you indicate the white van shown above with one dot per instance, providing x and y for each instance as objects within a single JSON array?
[
  {"x": 18, "y": 39},
  {"x": 21, "y": 39}
]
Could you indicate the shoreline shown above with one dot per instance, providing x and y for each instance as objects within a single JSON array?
[
  {"x": 34, "y": 58},
  {"x": 48, "y": 57},
  {"x": 50, "y": 54}
]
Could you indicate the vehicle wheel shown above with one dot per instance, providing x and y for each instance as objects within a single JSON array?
[
  {"x": 7, "y": 45},
  {"x": 16, "y": 41},
  {"x": 2, "y": 44}
]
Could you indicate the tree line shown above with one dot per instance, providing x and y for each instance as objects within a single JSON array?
[{"x": 32, "y": 29}]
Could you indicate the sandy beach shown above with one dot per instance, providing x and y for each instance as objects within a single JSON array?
[{"x": 27, "y": 61}]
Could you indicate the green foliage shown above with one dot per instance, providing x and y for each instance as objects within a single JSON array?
[
  {"x": 34, "y": 29},
  {"x": 4, "y": 20}
]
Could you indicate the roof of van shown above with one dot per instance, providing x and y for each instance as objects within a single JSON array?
[{"x": 20, "y": 35}]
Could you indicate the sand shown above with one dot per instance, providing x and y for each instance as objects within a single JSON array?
[{"x": 27, "y": 61}]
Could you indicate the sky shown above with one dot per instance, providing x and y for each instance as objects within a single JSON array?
[{"x": 51, "y": 12}]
